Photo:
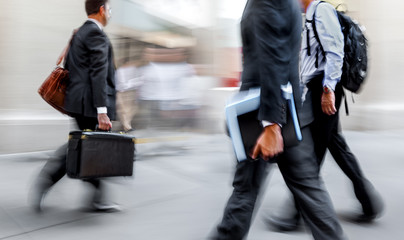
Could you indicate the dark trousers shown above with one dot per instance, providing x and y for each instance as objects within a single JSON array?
[
  {"x": 300, "y": 171},
  {"x": 327, "y": 135},
  {"x": 55, "y": 167}
]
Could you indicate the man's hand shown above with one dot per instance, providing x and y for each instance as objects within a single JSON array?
[
  {"x": 328, "y": 103},
  {"x": 103, "y": 122},
  {"x": 269, "y": 144}
]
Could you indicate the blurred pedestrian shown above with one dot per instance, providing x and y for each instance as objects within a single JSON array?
[
  {"x": 165, "y": 92},
  {"x": 128, "y": 80},
  {"x": 271, "y": 36},
  {"x": 325, "y": 92},
  {"x": 90, "y": 97}
]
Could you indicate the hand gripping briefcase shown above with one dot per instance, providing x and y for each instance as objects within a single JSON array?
[{"x": 93, "y": 154}]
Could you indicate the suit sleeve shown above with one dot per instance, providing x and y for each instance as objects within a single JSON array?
[
  {"x": 98, "y": 46},
  {"x": 272, "y": 34}
]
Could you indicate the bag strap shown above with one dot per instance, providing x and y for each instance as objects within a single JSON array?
[
  {"x": 313, "y": 23},
  {"x": 64, "y": 52}
]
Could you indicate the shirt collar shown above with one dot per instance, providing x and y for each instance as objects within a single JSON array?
[{"x": 96, "y": 22}]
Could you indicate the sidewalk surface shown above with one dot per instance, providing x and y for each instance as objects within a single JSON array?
[{"x": 180, "y": 188}]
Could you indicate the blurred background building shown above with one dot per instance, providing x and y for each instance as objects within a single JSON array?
[{"x": 33, "y": 33}]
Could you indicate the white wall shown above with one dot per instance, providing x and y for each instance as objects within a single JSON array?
[{"x": 33, "y": 33}]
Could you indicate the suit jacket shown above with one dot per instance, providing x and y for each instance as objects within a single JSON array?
[
  {"x": 271, "y": 36},
  {"x": 91, "y": 70}
]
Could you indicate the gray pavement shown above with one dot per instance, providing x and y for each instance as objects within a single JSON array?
[{"x": 179, "y": 190}]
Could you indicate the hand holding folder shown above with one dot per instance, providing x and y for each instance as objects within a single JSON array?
[
  {"x": 244, "y": 127},
  {"x": 269, "y": 144}
]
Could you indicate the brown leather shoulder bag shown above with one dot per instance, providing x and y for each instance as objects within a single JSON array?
[{"x": 53, "y": 89}]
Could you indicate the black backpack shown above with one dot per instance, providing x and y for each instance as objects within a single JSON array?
[{"x": 354, "y": 70}]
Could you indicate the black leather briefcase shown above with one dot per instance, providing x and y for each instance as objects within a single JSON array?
[{"x": 93, "y": 154}]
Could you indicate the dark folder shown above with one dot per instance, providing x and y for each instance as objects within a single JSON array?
[{"x": 245, "y": 128}]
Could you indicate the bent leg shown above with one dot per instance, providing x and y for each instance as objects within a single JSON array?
[
  {"x": 364, "y": 190},
  {"x": 300, "y": 170},
  {"x": 55, "y": 167},
  {"x": 238, "y": 213},
  {"x": 51, "y": 173}
]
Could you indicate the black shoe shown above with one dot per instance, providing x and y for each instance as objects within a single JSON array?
[
  {"x": 366, "y": 217},
  {"x": 373, "y": 211},
  {"x": 363, "y": 218},
  {"x": 106, "y": 207},
  {"x": 284, "y": 224}
]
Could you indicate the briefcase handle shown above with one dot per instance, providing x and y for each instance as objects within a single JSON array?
[{"x": 101, "y": 130}]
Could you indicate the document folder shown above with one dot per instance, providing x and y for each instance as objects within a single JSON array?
[{"x": 244, "y": 127}]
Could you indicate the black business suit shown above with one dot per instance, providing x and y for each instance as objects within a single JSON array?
[
  {"x": 91, "y": 71},
  {"x": 91, "y": 85},
  {"x": 271, "y": 34}
]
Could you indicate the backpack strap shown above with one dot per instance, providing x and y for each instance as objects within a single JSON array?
[
  {"x": 346, "y": 102},
  {"x": 313, "y": 23}
]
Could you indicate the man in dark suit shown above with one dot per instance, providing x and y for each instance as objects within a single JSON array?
[
  {"x": 321, "y": 72},
  {"x": 90, "y": 95},
  {"x": 271, "y": 35}
]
